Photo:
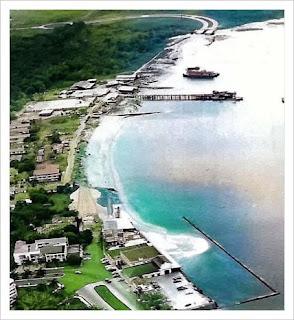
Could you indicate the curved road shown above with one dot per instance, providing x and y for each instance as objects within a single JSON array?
[{"x": 209, "y": 25}]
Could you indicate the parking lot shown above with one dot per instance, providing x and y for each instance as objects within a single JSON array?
[{"x": 188, "y": 298}]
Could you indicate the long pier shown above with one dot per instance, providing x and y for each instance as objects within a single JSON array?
[
  {"x": 214, "y": 96},
  {"x": 234, "y": 258}
]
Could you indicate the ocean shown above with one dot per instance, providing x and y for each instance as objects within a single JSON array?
[{"x": 219, "y": 164}]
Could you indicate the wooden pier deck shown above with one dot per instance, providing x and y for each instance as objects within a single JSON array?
[{"x": 215, "y": 96}]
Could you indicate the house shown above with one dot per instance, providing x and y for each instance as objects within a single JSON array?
[
  {"x": 46, "y": 172},
  {"x": 43, "y": 249},
  {"x": 12, "y": 292},
  {"x": 127, "y": 89}
]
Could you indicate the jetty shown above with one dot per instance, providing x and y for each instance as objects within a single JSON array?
[
  {"x": 214, "y": 96},
  {"x": 274, "y": 291}
]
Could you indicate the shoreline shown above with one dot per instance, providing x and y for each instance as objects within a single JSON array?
[
  {"x": 132, "y": 214},
  {"x": 112, "y": 136}
]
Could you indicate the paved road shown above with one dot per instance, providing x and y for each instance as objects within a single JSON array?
[
  {"x": 91, "y": 296},
  {"x": 208, "y": 24},
  {"x": 66, "y": 178}
]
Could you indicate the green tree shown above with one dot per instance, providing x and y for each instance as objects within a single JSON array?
[
  {"x": 55, "y": 138},
  {"x": 154, "y": 301},
  {"x": 74, "y": 260},
  {"x": 86, "y": 237},
  {"x": 72, "y": 237}
]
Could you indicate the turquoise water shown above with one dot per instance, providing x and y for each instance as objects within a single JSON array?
[{"x": 162, "y": 184}]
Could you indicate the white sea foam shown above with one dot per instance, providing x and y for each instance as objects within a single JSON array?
[{"x": 99, "y": 167}]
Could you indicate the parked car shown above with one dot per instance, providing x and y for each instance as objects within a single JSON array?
[
  {"x": 188, "y": 305},
  {"x": 110, "y": 268},
  {"x": 181, "y": 288},
  {"x": 107, "y": 280}
]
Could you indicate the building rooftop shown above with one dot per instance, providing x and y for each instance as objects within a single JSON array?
[
  {"x": 96, "y": 92},
  {"x": 160, "y": 260},
  {"x": 52, "y": 241},
  {"x": 46, "y": 168},
  {"x": 74, "y": 248},
  {"x": 83, "y": 85},
  {"x": 118, "y": 224},
  {"x": 127, "y": 89},
  {"x": 52, "y": 249},
  {"x": 60, "y": 104}
]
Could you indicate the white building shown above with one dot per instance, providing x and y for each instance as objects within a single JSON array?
[
  {"x": 12, "y": 292},
  {"x": 47, "y": 249}
]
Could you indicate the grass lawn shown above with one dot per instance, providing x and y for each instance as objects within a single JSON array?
[
  {"x": 92, "y": 271},
  {"x": 139, "y": 270},
  {"x": 111, "y": 299},
  {"x": 61, "y": 160},
  {"x": 116, "y": 252},
  {"x": 60, "y": 201},
  {"x": 145, "y": 252},
  {"x": 21, "y": 196},
  {"x": 65, "y": 125},
  {"x": 34, "y": 299}
]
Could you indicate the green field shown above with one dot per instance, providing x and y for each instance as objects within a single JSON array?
[
  {"x": 138, "y": 271},
  {"x": 41, "y": 298},
  {"x": 60, "y": 201},
  {"x": 110, "y": 299},
  {"x": 92, "y": 271},
  {"x": 65, "y": 125},
  {"x": 145, "y": 252}
]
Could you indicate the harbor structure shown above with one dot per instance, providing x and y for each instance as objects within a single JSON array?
[{"x": 214, "y": 96}]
